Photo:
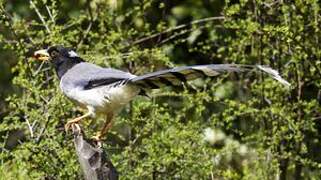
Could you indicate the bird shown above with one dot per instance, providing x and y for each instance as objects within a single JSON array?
[{"x": 104, "y": 91}]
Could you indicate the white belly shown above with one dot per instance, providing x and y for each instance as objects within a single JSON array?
[{"x": 103, "y": 99}]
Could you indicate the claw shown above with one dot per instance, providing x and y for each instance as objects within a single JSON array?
[
  {"x": 76, "y": 128},
  {"x": 68, "y": 125},
  {"x": 71, "y": 123}
]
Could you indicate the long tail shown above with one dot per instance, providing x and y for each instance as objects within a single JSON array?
[{"x": 175, "y": 76}]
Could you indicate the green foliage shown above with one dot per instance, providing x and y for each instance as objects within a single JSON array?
[{"x": 243, "y": 126}]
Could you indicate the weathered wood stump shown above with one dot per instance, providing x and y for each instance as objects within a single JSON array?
[{"x": 94, "y": 161}]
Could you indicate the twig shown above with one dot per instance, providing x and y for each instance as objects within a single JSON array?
[
  {"x": 67, "y": 26},
  {"x": 34, "y": 123},
  {"x": 3, "y": 147},
  {"x": 39, "y": 68},
  {"x": 139, "y": 41},
  {"x": 45, "y": 99},
  {"x": 178, "y": 34},
  {"x": 89, "y": 26},
  {"x": 29, "y": 126},
  {"x": 85, "y": 34},
  {"x": 47, "y": 81},
  {"x": 43, "y": 129},
  {"x": 7, "y": 41},
  {"x": 50, "y": 15},
  {"x": 40, "y": 16},
  {"x": 10, "y": 19},
  {"x": 175, "y": 35}
]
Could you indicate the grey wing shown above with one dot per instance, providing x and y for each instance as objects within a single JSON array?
[{"x": 88, "y": 76}]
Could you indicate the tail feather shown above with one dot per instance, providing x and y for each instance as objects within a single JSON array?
[
  {"x": 274, "y": 74},
  {"x": 175, "y": 76}
]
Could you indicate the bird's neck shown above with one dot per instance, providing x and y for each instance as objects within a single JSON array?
[{"x": 63, "y": 65}]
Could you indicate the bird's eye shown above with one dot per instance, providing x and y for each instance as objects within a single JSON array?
[{"x": 54, "y": 53}]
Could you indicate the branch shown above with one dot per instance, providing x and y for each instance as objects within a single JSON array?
[
  {"x": 84, "y": 36},
  {"x": 50, "y": 15},
  {"x": 94, "y": 162},
  {"x": 178, "y": 34},
  {"x": 29, "y": 126},
  {"x": 40, "y": 16},
  {"x": 199, "y": 21}
]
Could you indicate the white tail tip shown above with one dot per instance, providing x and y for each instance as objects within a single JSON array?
[{"x": 275, "y": 74}]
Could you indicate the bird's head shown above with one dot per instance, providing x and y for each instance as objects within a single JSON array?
[
  {"x": 62, "y": 58},
  {"x": 56, "y": 53}
]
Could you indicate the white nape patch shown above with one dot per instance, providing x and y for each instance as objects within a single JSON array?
[{"x": 72, "y": 54}]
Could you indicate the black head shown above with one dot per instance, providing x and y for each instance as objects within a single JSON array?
[{"x": 62, "y": 58}]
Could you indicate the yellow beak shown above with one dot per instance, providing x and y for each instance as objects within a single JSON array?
[{"x": 41, "y": 55}]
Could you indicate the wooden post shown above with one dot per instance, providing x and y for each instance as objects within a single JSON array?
[{"x": 94, "y": 162}]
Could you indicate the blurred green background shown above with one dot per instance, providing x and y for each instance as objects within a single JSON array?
[{"x": 237, "y": 126}]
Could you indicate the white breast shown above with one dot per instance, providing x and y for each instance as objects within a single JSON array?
[{"x": 104, "y": 98}]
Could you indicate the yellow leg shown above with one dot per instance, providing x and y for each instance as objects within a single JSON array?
[
  {"x": 76, "y": 120},
  {"x": 108, "y": 124}
]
